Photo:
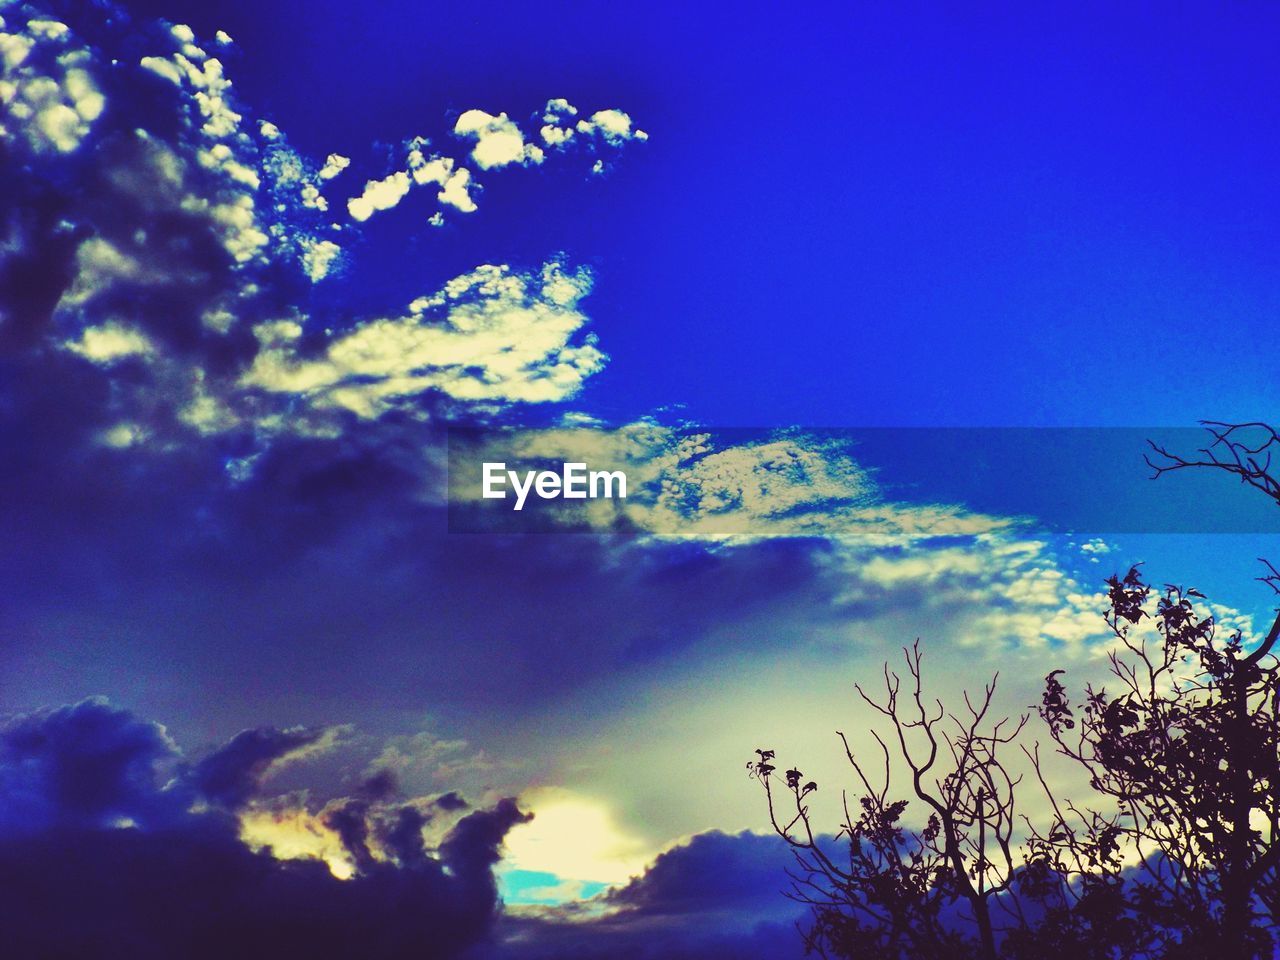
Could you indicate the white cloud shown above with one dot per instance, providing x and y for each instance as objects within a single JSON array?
[
  {"x": 554, "y": 136},
  {"x": 490, "y": 336},
  {"x": 454, "y": 182},
  {"x": 111, "y": 342},
  {"x": 319, "y": 257},
  {"x": 222, "y": 146},
  {"x": 379, "y": 195},
  {"x": 163, "y": 67},
  {"x": 499, "y": 141},
  {"x": 53, "y": 106},
  {"x": 612, "y": 126},
  {"x": 557, "y": 110},
  {"x": 334, "y": 164},
  {"x": 558, "y": 107},
  {"x": 47, "y": 29},
  {"x": 457, "y": 191}
]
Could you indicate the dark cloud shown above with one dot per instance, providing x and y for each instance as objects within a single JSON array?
[
  {"x": 381, "y": 785},
  {"x": 99, "y": 857},
  {"x": 84, "y": 766},
  {"x": 128, "y": 220},
  {"x": 713, "y": 871},
  {"x": 197, "y": 892},
  {"x": 717, "y": 897},
  {"x": 450, "y": 801},
  {"x": 232, "y": 775},
  {"x": 403, "y": 835}
]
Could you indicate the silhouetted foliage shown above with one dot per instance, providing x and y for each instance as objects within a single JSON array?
[
  {"x": 889, "y": 894},
  {"x": 1174, "y": 850}
]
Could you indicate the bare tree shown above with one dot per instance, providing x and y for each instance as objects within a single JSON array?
[{"x": 890, "y": 890}]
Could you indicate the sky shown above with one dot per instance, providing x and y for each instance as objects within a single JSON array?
[{"x": 877, "y": 308}]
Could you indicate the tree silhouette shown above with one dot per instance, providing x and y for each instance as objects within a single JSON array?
[
  {"x": 1174, "y": 850},
  {"x": 891, "y": 897}
]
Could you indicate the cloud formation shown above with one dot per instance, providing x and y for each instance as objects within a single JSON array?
[
  {"x": 109, "y": 840},
  {"x": 610, "y": 127},
  {"x": 491, "y": 336},
  {"x": 498, "y": 140},
  {"x": 160, "y": 242},
  {"x": 713, "y": 897}
]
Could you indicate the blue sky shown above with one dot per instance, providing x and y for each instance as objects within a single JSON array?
[
  {"x": 238, "y": 321},
  {"x": 965, "y": 218}
]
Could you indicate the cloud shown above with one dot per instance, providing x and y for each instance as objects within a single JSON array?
[
  {"x": 233, "y": 775},
  {"x": 558, "y": 111},
  {"x": 50, "y": 98},
  {"x": 379, "y": 195},
  {"x": 714, "y": 896},
  {"x": 499, "y": 141},
  {"x": 334, "y": 164},
  {"x": 100, "y": 845},
  {"x": 491, "y": 336},
  {"x": 614, "y": 127},
  {"x": 166, "y": 248},
  {"x": 712, "y": 871},
  {"x": 609, "y": 129},
  {"x": 86, "y": 766},
  {"x": 456, "y": 191},
  {"x": 454, "y": 181},
  {"x": 110, "y": 342}
]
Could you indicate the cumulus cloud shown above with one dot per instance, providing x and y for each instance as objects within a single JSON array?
[
  {"x": 604, "y": 131},
  {"x": 159, "y": 226},
  {"x": 334, "y": 164},
  {"x": 454, "y": 181},
  {"x": 164, "y": 253},
  {"x": 50, "y": 98},
  {"x": 499, "y": 141},
  {"x": 107, "y": 836},
  {"x": 87, "y": 766},
  {"x": 612, "y": 126},
  {"x": 381, "y": 194},
  {"x": 456, "y": 191},
  {"x": 109, "y": 342},
  {"x": 557, "y": 127},
  {"x": 713, "y": 896}
]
